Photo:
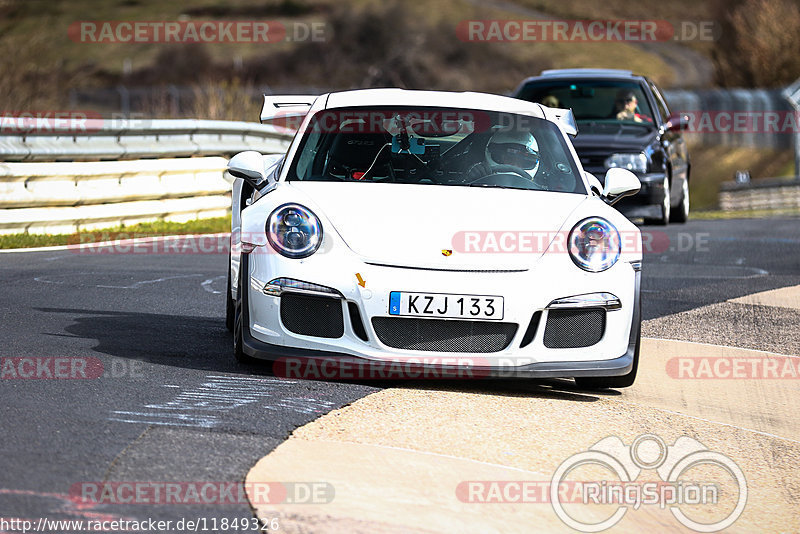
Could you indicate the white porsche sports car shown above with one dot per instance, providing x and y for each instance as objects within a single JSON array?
[{"x": 453, "y": 229}]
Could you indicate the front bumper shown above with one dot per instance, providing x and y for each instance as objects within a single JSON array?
[{"x": 264, "y": 337}]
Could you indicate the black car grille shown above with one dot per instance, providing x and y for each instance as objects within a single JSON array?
[
  {"x": 593, "y": 161},
  {"x": 571, "y": 329},
  {"x": 438, "y": 335},
  {"x": 312, "y": 316}
]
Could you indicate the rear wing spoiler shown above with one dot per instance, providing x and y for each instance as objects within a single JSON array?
[
  {"x": 285, "y": 106},
  {"x": 563, "y": 117}
]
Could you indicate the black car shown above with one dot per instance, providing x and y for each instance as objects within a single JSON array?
[{"x": 623, "y": 121}]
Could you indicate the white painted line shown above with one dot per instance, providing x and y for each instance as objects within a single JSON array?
[
  {"x": 767, "y": 434},
  {"x": 206, "y": 284},
  {"x": 137, "y": 285},
  {"x": 437, "y": 454}
]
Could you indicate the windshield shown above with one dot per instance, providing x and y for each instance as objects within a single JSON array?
[
  {"x": 436, "y": 146},
  {"x": 615, "y": 107}
]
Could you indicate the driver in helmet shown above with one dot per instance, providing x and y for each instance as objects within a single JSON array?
[{"x": 509, "y": 151}]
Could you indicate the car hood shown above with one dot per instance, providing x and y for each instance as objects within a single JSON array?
[
  {"x": 609, "y": 143},
  {"x": 412, "y": 225}
]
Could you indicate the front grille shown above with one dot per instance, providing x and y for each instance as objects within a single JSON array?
[
  {"x": 438, "y": 335},
  {"x": 594, "y": 163},
  {"x": 571, "y": 329},
  {"x": 312, "y": 315}
]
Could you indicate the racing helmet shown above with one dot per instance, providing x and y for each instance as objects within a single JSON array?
[{"x": 514, "y": 147}]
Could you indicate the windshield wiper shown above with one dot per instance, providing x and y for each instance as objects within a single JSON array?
[{"x": 496, "y": 186}]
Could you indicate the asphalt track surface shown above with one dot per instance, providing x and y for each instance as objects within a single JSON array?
[{"x": 173, "y": 406}]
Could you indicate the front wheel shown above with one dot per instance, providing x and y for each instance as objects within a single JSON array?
[
  {"x": 666, "y": 207},
  {"x": 613, "y": 382},
  {"x": 238, "y": 325},
  {"x": 229, "y": 307},
  {"x": 681, "y": 214}
]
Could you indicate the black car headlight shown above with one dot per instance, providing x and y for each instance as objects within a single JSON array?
[
  {"x": 294, "y": 231},
  {"x": 594, "y": 244},
  {"x": 632, "y": 162}
]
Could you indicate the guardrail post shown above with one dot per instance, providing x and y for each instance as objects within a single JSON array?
[
  {"x": 124, "y": 100},
  {"x": 792, "y": 94}
]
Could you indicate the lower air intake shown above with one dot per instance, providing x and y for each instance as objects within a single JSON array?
[
  {"x": 443, "y": 336},
  {"x": 312, "y": 316},
  {"x": 572, "y": 329}
]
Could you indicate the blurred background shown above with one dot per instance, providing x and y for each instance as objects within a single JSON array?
[{"x": 401, "y": 44}]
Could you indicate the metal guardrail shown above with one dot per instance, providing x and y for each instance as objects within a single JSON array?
[
  {"x": 128, "y": 100},
  {"x": 108, "y": 173},
  {"x": 754, "y": 102},
  {"x": 120, "y": 139}
]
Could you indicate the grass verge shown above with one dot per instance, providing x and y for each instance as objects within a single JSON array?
[
  {"x": 156, "y": 228},
  {"x": 744, "y": 214},
  {"x": 712, "y": 165}
]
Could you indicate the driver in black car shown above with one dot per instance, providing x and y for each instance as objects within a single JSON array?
[{"x": 508, "y": 151}]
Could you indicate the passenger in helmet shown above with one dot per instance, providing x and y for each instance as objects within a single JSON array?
[{"x": 508, "y": 148}]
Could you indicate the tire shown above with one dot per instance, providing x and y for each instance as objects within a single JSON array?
[
  {"x": 666, "y": 207},
  {"x": 681, "y": 213},
  {"x": 230, "y": 312},
  {"x": 238, "y": 326},
  {"x": 613, "y": 382}
]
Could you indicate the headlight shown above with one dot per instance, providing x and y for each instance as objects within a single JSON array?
[
  {"x": 294, "y": 231},
  {"x": 594, "y": 244},
  {"x": 632, "y": 162}
]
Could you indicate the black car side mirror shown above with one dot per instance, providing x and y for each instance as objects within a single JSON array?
[{"x": 677, "y": 122}]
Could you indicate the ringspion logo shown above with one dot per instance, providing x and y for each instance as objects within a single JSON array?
[{"x": 692, "y": 478}]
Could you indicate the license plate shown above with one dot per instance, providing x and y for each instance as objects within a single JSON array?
[{"x": 446, "y": 305}]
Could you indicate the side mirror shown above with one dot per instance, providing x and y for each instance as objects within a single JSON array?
[
  {"x": 677, "y": 122},
  {"x": 620, "y": 183},
  {"x": 249, "y": 166}
]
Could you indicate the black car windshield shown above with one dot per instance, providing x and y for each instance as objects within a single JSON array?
[
  {"x": 600, "y": 106},
  {"x": 436, "y": 146}
]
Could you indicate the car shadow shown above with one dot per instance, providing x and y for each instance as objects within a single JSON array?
[
  {"x": 554, "y": 388},
  {"x": 178, "y": 340},
  {"x": 203, "y": 343}
]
